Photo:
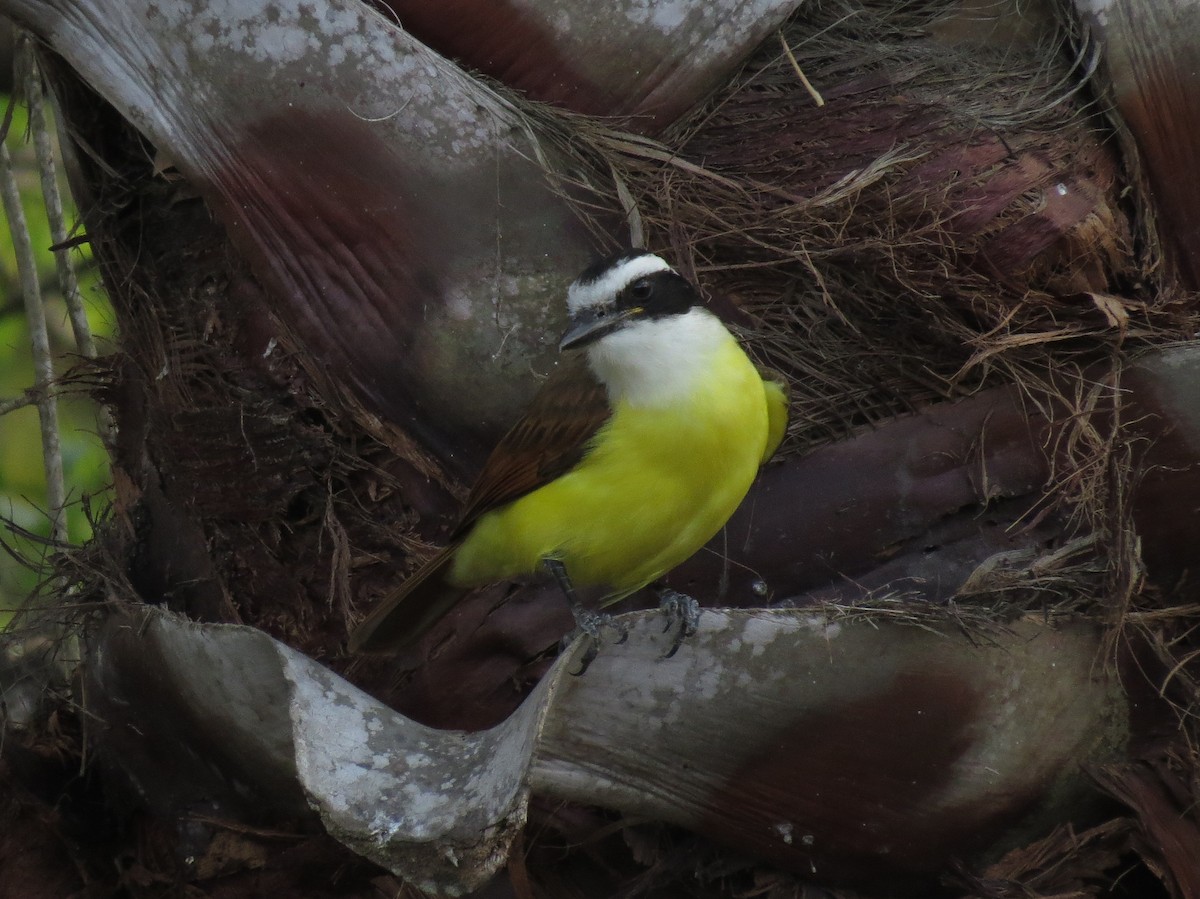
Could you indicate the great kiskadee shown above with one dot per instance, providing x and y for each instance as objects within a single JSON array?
[{"x": 620, "y": 469}]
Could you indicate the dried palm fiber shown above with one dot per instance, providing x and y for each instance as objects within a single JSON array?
[
  {"x": 1150, "y": 66},
  {"x": 954, "y": 206},
  {"x": 244, "y": 428},
  {"x": 953, "y": 218}
]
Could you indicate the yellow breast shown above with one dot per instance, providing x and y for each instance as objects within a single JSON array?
[{"x": 658, "y": 482}]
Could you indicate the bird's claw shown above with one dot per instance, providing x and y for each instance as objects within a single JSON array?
[
  {"x": 588, "y": 625},
  {"x": 683, "y": 613}
]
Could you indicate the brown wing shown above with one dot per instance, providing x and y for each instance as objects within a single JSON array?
[
  {"x": 549, "y": 439},
  {"x": 411, "y": 609}
]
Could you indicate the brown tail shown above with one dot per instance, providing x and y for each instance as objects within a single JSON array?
[{"x": 405, "y": 614}]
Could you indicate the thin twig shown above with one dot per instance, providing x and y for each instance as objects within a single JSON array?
[
  {"x": 28, "y": 397},
  {"x": 54, "y": 207},
  {"x": 43, "y": 369},
  {"x": 812, "y": 91},
  {"x": 67, "y": 279}
]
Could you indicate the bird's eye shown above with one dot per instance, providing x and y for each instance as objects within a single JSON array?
[{"x": 641, "y": 290}]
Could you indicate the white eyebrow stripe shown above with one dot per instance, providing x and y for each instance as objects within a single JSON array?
[{"x": 605, "y": 288}]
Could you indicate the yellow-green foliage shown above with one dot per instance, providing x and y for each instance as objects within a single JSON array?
[{"x": 22, "y": 477}]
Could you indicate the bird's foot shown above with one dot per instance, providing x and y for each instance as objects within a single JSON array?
[
  {"x": 682, "y": 613},
  {"x": 588, "y": 625}
]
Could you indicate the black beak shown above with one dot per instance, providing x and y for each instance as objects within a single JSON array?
[{"x": 589, "y": 325}]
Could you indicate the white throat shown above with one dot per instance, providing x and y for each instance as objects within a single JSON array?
[{"x": 658, "y": 361}]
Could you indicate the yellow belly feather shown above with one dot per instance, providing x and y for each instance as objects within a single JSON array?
[{"x": 656, "y": 486}]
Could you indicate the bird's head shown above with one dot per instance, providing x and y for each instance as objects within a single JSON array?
[{"x": 622, "y": 291}]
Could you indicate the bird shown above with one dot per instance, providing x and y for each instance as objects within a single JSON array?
[{"x": 619, "y": 469}]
